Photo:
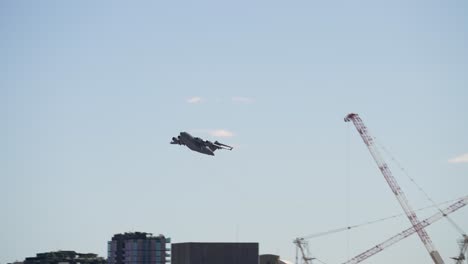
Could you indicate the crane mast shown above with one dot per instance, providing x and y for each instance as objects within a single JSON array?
[
  {"x": 301, "y": 243},
  {"x": 397, "y": 191}
]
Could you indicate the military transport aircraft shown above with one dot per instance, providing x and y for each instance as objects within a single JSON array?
[{"x": 198, "y": 144}]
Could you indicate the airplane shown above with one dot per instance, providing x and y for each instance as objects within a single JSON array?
[{"x": 198, "y": 144}]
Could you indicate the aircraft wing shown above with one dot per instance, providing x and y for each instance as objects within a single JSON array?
[{"x": 222, "y": 146}]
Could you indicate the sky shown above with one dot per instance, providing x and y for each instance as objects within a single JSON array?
[{"x": 91, "y": 92}]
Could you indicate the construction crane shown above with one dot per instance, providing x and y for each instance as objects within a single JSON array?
[
  {"x": 463, "y": 248},
  {"x": 303, "y": 246},
  {"x": 397, "y": 191},
  {"x": 406, "y": 233}
]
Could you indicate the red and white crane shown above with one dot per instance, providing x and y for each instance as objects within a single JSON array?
[{"x": 417, "y": 225}]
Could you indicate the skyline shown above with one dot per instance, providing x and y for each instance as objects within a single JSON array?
[{"x": 91, "y": 94}]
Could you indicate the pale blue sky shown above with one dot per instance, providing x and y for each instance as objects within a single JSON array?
[{"x": 92, "y": 91}]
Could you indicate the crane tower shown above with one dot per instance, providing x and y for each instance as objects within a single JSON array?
[{"x": 397, "y": 191}]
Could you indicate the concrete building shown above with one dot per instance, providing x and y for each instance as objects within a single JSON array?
[
  {"x": 138, "y": 248},
  {"x": 215, "y": 253},
  {"x": 65, "y": 257}
]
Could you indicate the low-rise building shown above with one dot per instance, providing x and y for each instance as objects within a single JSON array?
[
  {"x": 65, "y": 257},
  {"x": 272, "y": 259},
  {"x": 214, "y": 253}
]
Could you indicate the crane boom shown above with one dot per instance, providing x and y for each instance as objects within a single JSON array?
[
  {"x": 369, "y": 141},
  {"x": 376, "y": 249}
]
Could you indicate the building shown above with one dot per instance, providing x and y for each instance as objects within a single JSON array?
[
  {"x": 214, "y": 253},
  {"x": 272, "y": 259},
  {"x": 65, "y": 257},
  {"x": 269, "y": 259},
  {"x": 138, "y": 248}
]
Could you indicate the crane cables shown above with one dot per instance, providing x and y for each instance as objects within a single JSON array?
[
  {"x": 337, "y": 230},
  {"x": 320, "y": 261},
  {"x": 451, "y": 221},
  {"x": 348, "y": 185}
]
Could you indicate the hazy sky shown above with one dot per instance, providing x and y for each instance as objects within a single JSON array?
[{"x": 91, "y": 93}]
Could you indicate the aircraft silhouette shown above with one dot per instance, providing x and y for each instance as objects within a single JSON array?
[{"x": 198, "y": 144}]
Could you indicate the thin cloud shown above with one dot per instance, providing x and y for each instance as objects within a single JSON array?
[
  {"x": 222, "y": 133},
  {"x": 214, "y": 132},
  {"x": 194, "y": 100},
  {"x": 460, "y": 159},
  {"x": 242, "y": 100}
]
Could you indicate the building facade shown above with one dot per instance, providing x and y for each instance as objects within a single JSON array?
[
  {"x": 138, "y": 248},
  {"x": 214, "y": 253}
]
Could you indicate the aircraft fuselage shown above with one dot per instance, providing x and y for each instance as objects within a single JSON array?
[{"x": 195, "y": 144}]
